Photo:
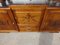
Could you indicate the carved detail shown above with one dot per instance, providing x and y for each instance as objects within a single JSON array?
[{"x": 28, "y": 17}]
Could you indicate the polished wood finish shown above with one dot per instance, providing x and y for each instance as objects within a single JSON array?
[
  {"x": 7, "y": 22},
  {"x": 28, "y": 7},
  {"x": 51, "y": 20},
  {"x": 28, "y": 17},
  {"x": 29, "y": 20}
]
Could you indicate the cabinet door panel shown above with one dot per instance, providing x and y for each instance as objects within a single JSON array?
[
  {"x": 6, "y": 22},
  {"x": 51, "y": 21}
]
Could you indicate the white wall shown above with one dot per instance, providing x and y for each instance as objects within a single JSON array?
[{"x": 28, "y": 1}]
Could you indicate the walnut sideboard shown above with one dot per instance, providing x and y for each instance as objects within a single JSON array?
[{"x": 30, "y": 18}]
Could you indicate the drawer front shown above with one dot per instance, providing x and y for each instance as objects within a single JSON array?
[
  {"x": 28, "y": 28},
  {"x": 28, "y": 7},
  {"x": 6, "y": 22},
  {"x": 31, "y": 19},
  {"x": 51, "y": 21}
]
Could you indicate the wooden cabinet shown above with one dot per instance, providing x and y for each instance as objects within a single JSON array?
[
  {"x": 51, "y": 21},
  {"x": 28, "y": 17},
  {"x": 7, "y": 23}
]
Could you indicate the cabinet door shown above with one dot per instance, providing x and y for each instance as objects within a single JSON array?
[
  {"x": 28, "y": 21},
  {"x": 51, "y": 21},
  {"x": 7, "y": 22}
]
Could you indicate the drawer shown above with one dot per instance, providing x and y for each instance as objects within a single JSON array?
[
  {"x": 28, "y": 7},
  {"x": 24, "y": 28},
  {"x": 28, "y": 28},
  {"x": 21, "y": 14},
  {"x": 51, "y": 21},
  {"x": 6, "y": 20}
]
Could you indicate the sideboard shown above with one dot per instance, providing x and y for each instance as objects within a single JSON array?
[{"x": 29, "y": 18}]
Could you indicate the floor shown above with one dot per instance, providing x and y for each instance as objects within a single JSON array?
[{"x": 30, "y": 38}]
